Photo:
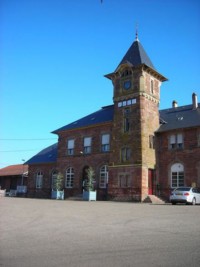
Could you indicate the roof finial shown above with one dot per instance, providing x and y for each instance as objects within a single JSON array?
[{"x": 136, "y": 34}]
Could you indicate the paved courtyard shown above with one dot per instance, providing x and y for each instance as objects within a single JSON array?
[{"x": 39, "y": 233}]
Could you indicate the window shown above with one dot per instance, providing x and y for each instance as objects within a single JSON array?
[
  {"x": 179, "y": 141},
  {"x": 128, "y": 102},
  {"x": 124, "y": 180},
  {"x": 151, "y": 141},
  {"x": 176, "y": 141},
  {"x": 172, "y": 141},
  {"x": 126, "y": 73},
  {"x": 39, "y": 179},
  {"x": 70, "y": 147},
  {"x": 103, "y": 179},
  {"x": 152, "y": 87},
  {"x": 53, "y": 179},
  {"x": 69, "y": 179},
  {"x": 177, "y": 175},
  {"x": 105, "y": 143},
  {"x": 126, "y": 120},
  {"x": 126, "y": 124},
  {"x": 198, "y": 140},
  {"x": 125, "y": 154},
  {"x": 87, "y": 145}
]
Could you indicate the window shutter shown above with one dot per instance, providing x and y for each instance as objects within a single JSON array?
[
  {"x": 172, "y": 139},
  {"x": 87, "y": 141},
  {"x": 71, "y": 144},
  {"x": 105, "y": 139},
  {"x": 179, "y": 138}
]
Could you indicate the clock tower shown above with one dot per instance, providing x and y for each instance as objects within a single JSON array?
[{"x": 136, "y": 97}]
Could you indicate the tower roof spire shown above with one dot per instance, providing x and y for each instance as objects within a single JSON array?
[
  {"x": 136, "y": 55},
  {"x": 136, "y": 33}
]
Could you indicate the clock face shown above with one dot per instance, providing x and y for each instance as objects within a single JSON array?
[{"x": 127, "y": 85}]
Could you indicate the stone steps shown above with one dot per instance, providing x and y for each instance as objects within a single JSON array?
[{"x": 154, "y": 200}]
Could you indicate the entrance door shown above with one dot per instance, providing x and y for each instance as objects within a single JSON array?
[{"x": 150, "y": 181}]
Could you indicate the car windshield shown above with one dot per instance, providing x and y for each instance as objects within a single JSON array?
[{"x": 183, "y": 189}]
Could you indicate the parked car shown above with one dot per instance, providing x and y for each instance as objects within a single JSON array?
[{"x": 188, "y": 195}]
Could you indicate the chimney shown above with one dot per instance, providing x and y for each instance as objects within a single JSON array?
[
  {"x": 174, "y": 104},
  {"x": 194, "y": 101}
]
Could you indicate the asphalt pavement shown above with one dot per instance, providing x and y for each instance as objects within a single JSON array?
[{"x": 40, "y": 233}]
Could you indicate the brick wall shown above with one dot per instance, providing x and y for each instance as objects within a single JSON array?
[
  {"x": 189, "y": 156},
  {"x": 45, "y": 191}
]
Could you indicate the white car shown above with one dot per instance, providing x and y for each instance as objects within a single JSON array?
[{"x": 188, "y": 195}]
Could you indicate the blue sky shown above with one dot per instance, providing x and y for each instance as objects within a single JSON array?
[{"x": 54, "y": 54}]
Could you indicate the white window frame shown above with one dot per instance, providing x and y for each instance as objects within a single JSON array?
[
  {"x": 105, "y": 142},
  {"x": 177, "y": 175},
  {"x": 69, "y": 178},
  {"x": 128, "y": 102},
  {"x": 70, "y": 147},
  {"x": 87, "y": 145},
  {"x": 53, "y": 179},
  {"x": 176, "y": 141},
  {"x": 39, "y": 180},
  {"x": 180, "y": 140},
  {"x": 103, "y": 178}
]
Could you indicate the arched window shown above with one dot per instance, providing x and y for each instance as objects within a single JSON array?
[
  {"x": 53, "y": 179},
  {"x": 177, "y": 175},
  {"x": 39, "y": 179},
  {"x": 103, "y": 180},
  {"x": 69, "y": 179}
]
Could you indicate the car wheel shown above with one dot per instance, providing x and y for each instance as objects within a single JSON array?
[
  {"x": 173, "y": 203},
  {"x": 194, "y": 201}
]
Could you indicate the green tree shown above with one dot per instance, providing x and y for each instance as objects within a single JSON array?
[
  {"x": 90, "y": 179},
  {"x": 59, "y": 184}
]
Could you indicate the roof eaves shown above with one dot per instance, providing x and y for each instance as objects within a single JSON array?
[
  {"x": 82, "y": 127},
  {"x": 102, "y": 116}
]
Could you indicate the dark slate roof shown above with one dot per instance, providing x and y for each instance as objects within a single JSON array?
[
  {"x": 179, "y": 117},
  {"x": 170, "y": 119},
  {"x": 136, "y": 55},
  {"x": 47, "y": 155},
  {"x": 105, "y": 114}
]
